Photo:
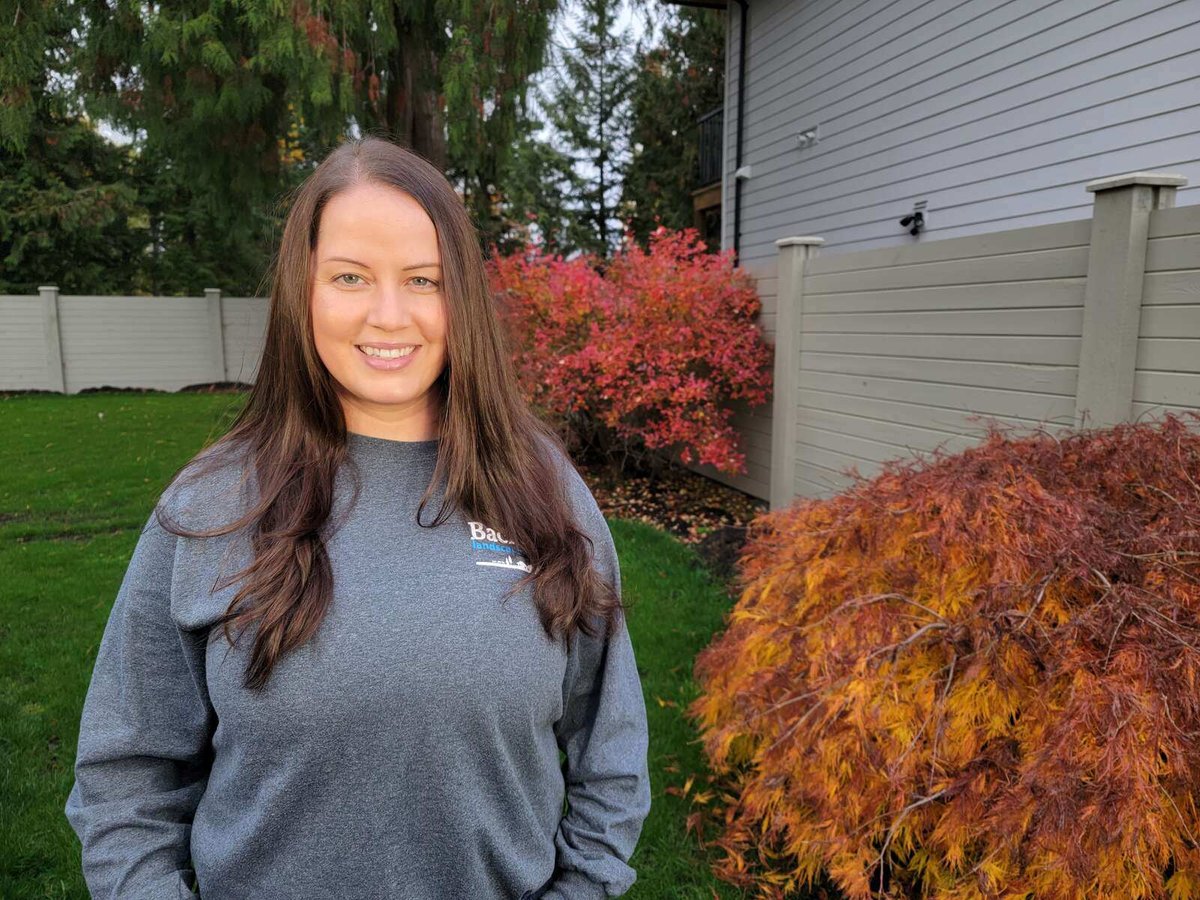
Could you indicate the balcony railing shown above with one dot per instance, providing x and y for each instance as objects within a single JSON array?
[{"x": 711, "y": 135}]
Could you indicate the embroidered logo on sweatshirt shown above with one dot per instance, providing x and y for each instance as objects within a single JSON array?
[{"x": 492, "y": 541}]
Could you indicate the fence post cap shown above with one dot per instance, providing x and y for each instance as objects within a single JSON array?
[
  {"x": 1161, "y": 179},
  {"x": 793, "y": 241},
  {"x": 47, "y": 287}
]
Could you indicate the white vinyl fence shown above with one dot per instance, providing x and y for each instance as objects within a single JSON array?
[
  {"x": 64, "y": 342},
  {"x": 878, "y": 353}
]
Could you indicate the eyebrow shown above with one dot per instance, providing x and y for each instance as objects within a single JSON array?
[{"x": 423, "y": 265}]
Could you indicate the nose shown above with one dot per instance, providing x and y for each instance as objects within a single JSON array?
[{"x": 389, "y": 309}]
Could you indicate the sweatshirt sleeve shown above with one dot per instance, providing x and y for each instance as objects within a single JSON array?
[
  {"x": 604, "y": 735},
  {"x": 144, "y": 737}
]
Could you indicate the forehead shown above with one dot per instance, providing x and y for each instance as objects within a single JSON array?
[{"x": 376, "y": 220}]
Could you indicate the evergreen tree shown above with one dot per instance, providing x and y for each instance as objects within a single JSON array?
[
  {"x": 65, "y": 207},
  {"x": 210, "y": 83},
  {"x": 534, "y": 204},
  {"x": 206, "y": 85},
  {"x": 588, "y": 106},
  {"x": 230, "y": 104},
  {"x": 679, "y": 79},
  {"x": 495, "y": 49},
  {"x": 64, "y": 200}
]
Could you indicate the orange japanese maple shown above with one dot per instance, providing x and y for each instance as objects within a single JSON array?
[{"x": 971, "y": 676}]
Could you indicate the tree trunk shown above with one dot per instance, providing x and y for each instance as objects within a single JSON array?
[{"x": 414, "y": 115}]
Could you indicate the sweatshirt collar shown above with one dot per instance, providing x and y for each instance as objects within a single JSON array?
[{"x": 367, "y": 447}]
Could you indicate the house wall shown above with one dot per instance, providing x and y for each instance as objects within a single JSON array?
[
  {"x": 753, "y": 424},
  {"x": 994, "y": 114}
]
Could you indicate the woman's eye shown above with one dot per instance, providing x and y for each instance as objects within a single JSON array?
[{"x": 420, "y": 278}]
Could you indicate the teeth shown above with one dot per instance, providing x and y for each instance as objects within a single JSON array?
[{"x": 387, "y": 354}]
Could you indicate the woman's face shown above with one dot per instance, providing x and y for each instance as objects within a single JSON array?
[{"x": 376, "y": 290}]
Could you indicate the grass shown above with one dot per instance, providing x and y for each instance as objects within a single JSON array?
[{"x": 78, "y": 476}]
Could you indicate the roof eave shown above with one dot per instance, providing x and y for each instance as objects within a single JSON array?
[{"x": 706, "y": 4}]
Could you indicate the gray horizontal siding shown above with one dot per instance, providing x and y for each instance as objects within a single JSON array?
[
  {"x": 995, "y": 114},
  {"x": 729, "y": 139}
]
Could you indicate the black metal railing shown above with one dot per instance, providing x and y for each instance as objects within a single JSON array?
[{"x": 711, "y": 134}]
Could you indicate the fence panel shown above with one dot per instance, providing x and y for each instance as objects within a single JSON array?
[{"x": 889, "y": 353}]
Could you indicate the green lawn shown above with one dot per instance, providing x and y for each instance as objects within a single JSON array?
[{"x": 78, "y": 476}]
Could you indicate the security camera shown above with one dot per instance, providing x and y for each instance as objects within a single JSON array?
[{"x": 914, "y": 222}]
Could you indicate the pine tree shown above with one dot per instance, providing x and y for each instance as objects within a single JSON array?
[
  {"x": 231, "y": 104},
  {"x": 64, "y": 203},
  {"x": 215, "y": 86},
  {"x": 535, "y": 206},
  {"x": 679, "y": 79},
  {"x": 494, "y": 50},
  {"x": 588, "y": 106}
]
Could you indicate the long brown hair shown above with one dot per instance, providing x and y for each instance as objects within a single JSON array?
[{"x": 290, "y": 436}]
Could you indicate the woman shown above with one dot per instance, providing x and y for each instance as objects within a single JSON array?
[{"x": 382, "y": 709}]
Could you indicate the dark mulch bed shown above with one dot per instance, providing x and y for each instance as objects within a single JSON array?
[{"x": 699, "y": 511}]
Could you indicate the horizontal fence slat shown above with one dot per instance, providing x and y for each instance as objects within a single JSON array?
[
  {"x": 900, "y": 433},
  {"x": 886, "y": 443},
  {"x": 1170, "y": 321},
  {"x": 836, "y": 463},
  {"x": 1053, "y": 351},
  {"x": 1175, "y": 221},
  {"x": 1070, "y": 262},
  {"x": 1169, "y": 354},
  {"x": 956, "y": 322},
  {"x": 997, "y": 243},
  {"x": 921, "y": 415},
  {"x": 1177, "y": 388},
  {"x": 1008, "y": 376},
  {"x": 1148, "y": 412},
  {"x": 1171, "y": 287},
  {"x": 1002, "y": 295},
  {"x": 822, "y": 482},
  {"x": 1177, "y": 252},
  {"x": 987, "y": 401}
]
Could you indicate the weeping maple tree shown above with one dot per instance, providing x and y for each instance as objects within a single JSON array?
[{"x": 970, "y": 676}]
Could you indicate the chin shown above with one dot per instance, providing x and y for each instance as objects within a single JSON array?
[{"x": 384, "y": 397}]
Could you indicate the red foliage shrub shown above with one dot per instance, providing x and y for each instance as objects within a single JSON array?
[
  {"x": 646, "y": 354},
  {"x": 971, "y": 676}
]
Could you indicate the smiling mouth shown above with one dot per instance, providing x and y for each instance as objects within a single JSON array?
[{"x": 387, "y": 353}]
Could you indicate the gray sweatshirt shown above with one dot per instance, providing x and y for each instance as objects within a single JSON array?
[{"x": 411, "y": 750}]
